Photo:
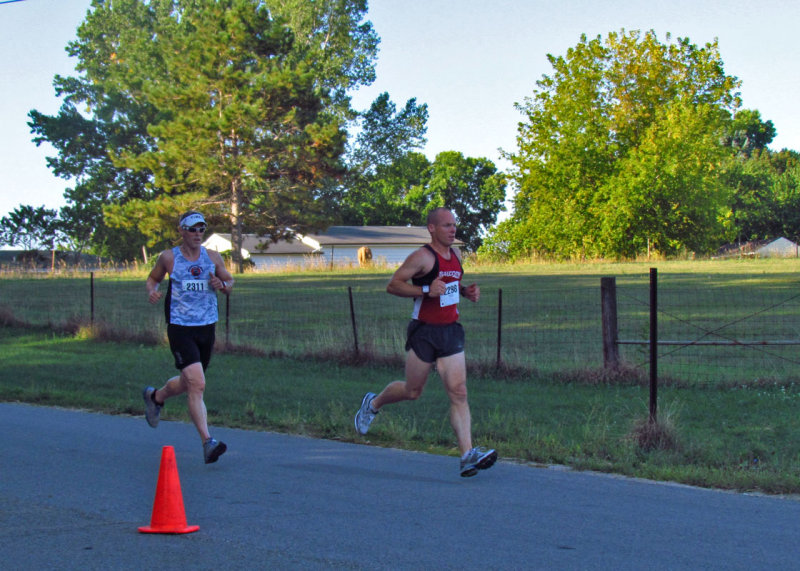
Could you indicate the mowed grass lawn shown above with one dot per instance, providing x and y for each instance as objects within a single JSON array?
[{"x": 742, "y": 437}]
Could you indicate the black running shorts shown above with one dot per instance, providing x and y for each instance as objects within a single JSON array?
[
  {"x": 430, "y": 342},
  {"x": 191, "y": 344}
]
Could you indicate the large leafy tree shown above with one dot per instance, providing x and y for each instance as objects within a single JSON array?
[
  {"x": 386, "y": 135},
  {"x": 30, "y": 227},
  {"x": 747, "y": 133},
  {"x": 786, "y": 192},
  {"x": 383, "y": 164},
  {"x": 471, "y": 187},
  {"x": 404, "y": 191},
  {"x": 241, "y": 126},
  {"x": 754, "y": 203},
  {"x": 391, "y": 183},
  {"x": 162, "y": 78},
  {"x": 750, "y": 174},
  {"x": 381, "y": 197},
  {"x": 766, "y": 188},
  {"x": 337, "y": 43},
  {"x": 600, "y": 167},
  {"x": 96, "y": 120},
  {"x": 665, "y": 195}
]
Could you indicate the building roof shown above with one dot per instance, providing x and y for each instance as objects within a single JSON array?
[
  {"x": 256, "y": 245},
  {"x": 359, "y": 235},
  {"x": 340, "y": 236},
  {"x": 780, "y": 246}
]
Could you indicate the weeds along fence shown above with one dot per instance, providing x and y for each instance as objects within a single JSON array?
[{"x": 710, "y": 331}]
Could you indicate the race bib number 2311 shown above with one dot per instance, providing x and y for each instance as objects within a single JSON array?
[{"x": 195, "y": 285}]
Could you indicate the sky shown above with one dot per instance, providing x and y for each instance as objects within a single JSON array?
[{"x": 470, "y": 61}]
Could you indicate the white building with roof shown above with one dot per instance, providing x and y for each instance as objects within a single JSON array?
[
  {"x": 779, "y": 248},
  {"x": 337, "y": 246}
]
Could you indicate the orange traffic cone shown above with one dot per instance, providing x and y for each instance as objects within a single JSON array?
[{"x": 168, "y": 515}]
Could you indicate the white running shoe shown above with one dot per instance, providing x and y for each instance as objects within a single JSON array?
[
  {"x": 477, "y": 459},
  {"x": 365, "y": 414},
  {"x": 152, "y": 411}
]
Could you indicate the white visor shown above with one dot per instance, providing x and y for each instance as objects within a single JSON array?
[{"x": 193, "y": 219}]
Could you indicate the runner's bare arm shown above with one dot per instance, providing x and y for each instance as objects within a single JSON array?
[
  {"x": 417, "y": 264},
  {"x": 222, "y": 279},
  {"x": 162, "y": 267}
]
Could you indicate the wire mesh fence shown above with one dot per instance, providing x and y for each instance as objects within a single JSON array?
[
  {"x": 742, "y": 331},
  {"x": 711, "y": 332}
]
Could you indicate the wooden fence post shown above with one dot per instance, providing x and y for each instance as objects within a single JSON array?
[
  {"x": 499, "y": 361},
  {"x": 91, "y": 298},
  {"x": 608, "y": 307}
]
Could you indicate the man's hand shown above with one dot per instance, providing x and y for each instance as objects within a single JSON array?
[
  {"x": 217, "y": 283},
  {"x": 472, "y": 292},
  {"x": 154, "y": 295},
  {"x": 438, "y": 287}
]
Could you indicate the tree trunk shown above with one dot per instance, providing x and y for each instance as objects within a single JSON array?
[{"x": 236, "y": 225}]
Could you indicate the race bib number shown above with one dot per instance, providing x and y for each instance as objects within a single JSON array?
[
  {"x": 195, "y": 285},
  {"x": 450, "y": 295}
]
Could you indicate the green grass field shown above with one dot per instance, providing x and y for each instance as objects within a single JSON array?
[
  {"x": 722, "y": 432},
  {"x": 550, "y": 323}
]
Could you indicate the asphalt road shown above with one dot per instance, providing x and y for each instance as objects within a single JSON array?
[{"x": 75, "y": 487}]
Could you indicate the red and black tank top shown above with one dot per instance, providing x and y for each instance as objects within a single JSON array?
[{"x": 440, "y": 310}]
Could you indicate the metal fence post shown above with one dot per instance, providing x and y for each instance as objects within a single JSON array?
[
  {"x": 227, "y": 320},
  {"x": 653, "y": 344},
  {"x": 353, "y": 319}
]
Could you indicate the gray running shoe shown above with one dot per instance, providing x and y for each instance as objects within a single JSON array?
[
  {"x": 152, "y": 411},
  {"x": 477, "y": 459},
  {"x": 365, "y": 414},
  {"x": 213, "y": 449}
]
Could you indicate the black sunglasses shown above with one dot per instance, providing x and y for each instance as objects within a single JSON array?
[{"x": 194, "y": 229}]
